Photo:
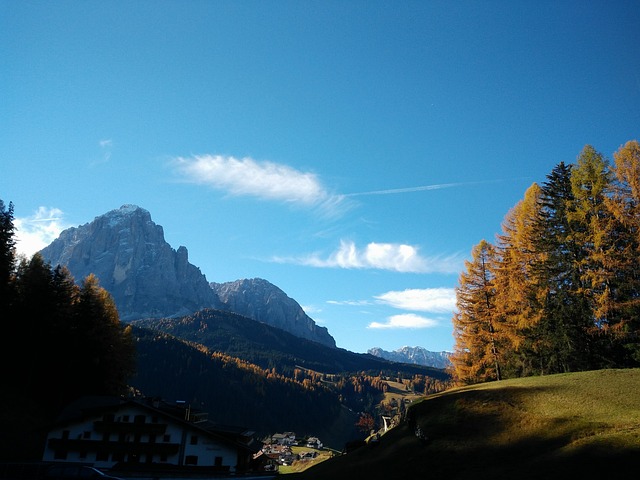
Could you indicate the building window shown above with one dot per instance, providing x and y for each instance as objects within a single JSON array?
[
  {"x": 118, "y": 457},
  {"x": 139, "y": 419},
  {"x": 166, "y": 438},
  {"x": 82, "y": 454},
  {"x": 60, "y": 454},
  {"x": 102, "y": 456},
  {"x": 152, "y": 438},
  {"x": 65, "y": 434},
  {"x": 194, "y": 439},
  {"x": 218, "y": 462},
  {"x": 108, "y": 417},
  {"x": 154, "y": 419},
  {"x": 86, "y": 435},
  {"x": 163, "y": 457},
  {"x": 191, "y": 460}
]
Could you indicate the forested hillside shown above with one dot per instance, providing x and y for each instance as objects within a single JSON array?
[
  {"x": 270, "y": 347},
  {"x": 559, "y": 290},
  {"x": 237, "y": 392},
  {"x": 357, "y": 381}
]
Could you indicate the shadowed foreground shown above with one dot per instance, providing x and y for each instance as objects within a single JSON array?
[{"x": 580, "y": 425}]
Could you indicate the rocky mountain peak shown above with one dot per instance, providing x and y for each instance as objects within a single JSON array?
[
  {"x": 414, "y": 355},
  {"x": 260, "y": 300},
  {"x": 147, "y": 278},
  {"x": 127, "y": 251}
]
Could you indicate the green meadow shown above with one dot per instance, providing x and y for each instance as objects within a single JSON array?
[{"x": 575, "y": 425}]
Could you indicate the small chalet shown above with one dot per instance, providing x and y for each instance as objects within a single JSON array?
[
  {"x": 314, "y": 442},
  {"x": 148, "y": 434},
  {"x": 286, "y": 438}
]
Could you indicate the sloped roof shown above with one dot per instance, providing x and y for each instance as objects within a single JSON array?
[{"x": 90, "y": 406}]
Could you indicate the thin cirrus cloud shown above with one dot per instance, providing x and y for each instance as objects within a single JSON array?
[
  {"x": 382, "y": 256},
  {"x": 260, "y": 179},
  {"x": 404, "y": 321},
  {"x": 423, "y": 188}
]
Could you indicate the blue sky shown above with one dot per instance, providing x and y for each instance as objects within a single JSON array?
[{"x": 350, "y": 152}]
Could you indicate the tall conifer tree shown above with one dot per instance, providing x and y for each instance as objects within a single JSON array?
[
  {"x": 559, "y": 337},
  {"x": 619, "y": 304},
  {"x": 594, "y": 233},
  {"x": 516, "y": 290},
  {"x": 479, "y": 342},
  {"x": 7, "y": 253},
  {"x": 107, "y": 350}
]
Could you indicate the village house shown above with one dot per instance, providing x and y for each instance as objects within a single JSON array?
[
  {"x": 314, "y": 442},
  {"x": 148, "y": 434},
  {"x": 286, "y": 438},
  {"x": 278, "y": 448}
]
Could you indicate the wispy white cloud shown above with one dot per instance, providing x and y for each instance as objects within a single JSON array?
[
  {"x": 261, "y": 179},
  {"x": 351, "y": 303},
  {"x": 405, "y": 321},
  {"x": 383, "y": 256},
  {"x": 421, "y": 188},
  {"x": 105, "y": 153},
  {"x": 437, "y": 300},
  {"x": 39, "y": 230}
]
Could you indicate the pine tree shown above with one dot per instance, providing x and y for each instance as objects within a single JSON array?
[
  {"x": 560, "y": 339},
  {"x": 106, "y": 353},
  {"x": 517, "y": 292},
  {"x": 618, "y": 306},
  {"x": 7, "y": 289},
  {"x": 595, "y": 232},
  {"x": 7, "y": 254},
  {"x": 32, "y": 323},
  {"x": 478, "y": 331}
]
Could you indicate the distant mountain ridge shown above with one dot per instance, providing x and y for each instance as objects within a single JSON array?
[
  {"x": 262, "y": 301},
  {"x": 415, "y": 355},
  {"x": 147, "y": 278},
  {"x": 270, "y": 347}
]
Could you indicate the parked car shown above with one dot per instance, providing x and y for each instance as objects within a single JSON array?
[{"x": 75, "y": 472}]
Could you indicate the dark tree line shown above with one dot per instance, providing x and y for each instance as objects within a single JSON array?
[
  {"x": 559, "y": 290},
  {"x": 60, "y": 340},
  {"x": 231, "y": 390}
]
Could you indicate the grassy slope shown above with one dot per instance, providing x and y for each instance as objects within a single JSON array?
[{"x": 579, "y": 425}]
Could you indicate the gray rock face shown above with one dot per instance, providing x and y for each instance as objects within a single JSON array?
[
  {"x": 262, "y": 301},
  {"x": 415, "y": 355},
  {"x": 126, "y": 250},
  {"x": 147, "y": 278}
]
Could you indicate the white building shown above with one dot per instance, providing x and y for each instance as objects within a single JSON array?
[
  {"x": 314, "y": 442},
  {"x": 147, "y": 435}
]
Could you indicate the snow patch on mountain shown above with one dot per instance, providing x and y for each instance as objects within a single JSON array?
[{"x": 415, "y": 355}]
